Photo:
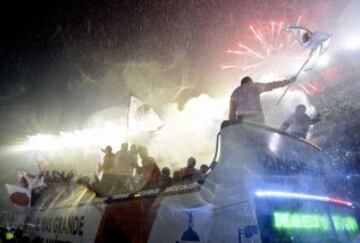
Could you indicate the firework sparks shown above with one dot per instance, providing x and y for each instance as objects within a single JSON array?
[{"x": 272, "y": 50}]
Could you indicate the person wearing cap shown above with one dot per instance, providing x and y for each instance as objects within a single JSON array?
[
  {"x": 245, "y": 100},
  {"x": 299, "y": 122}
]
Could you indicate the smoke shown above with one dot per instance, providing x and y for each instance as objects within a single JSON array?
[
  {"x": 192, "y": 131},
  {"x": 189, "y": 132},
  {"x": 189, "y": 129}
]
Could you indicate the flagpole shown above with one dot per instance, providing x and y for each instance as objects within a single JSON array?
[
  {"x": 296, "y": 75},
  {"x": 127, "y": 118}
]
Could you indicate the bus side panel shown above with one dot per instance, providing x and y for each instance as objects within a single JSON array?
[
  {"x": 182, "y": 218},
  {"x": 73, "y": 224},
  {"x": 127, "y": 221}
]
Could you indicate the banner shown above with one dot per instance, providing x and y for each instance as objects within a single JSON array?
[{"x": 142, "y": 117}]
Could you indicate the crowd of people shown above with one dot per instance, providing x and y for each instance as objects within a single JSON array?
[
  {"x": 57, "y": 176},
  {"x": 134, "y": 169},
  {"x": 125, "y": 171},
  {"x": 50, "y": 180}
]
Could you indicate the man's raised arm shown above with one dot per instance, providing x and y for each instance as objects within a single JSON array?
[{"x": 278, "y": 84}]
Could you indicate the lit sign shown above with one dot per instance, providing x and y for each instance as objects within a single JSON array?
[{"x": 312, "y": 221}]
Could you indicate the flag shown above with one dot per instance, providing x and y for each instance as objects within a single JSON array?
[
  {"x": 19, "y": 196},
  {"x": 30, "y": 181},
  {"x": 317, "y": 42},
  {"x": 308, "y": 39},
  {"x": 142, "y": 117}
]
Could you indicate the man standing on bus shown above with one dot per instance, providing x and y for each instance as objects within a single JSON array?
[
  {"x": 299, "y": 122},
  {"x": 245, "y": 100}
]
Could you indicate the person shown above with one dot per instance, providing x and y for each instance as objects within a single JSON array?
[
  {"x": 138, "y": 175},
  {"x": 203, "y": 170},
  {"x": 150, "y": 170},
  {"x": 299, "y": 122},
  {"x": 190, "y": 172},
  {"x": 165, "y": 179},
  {"x": 245, "y": 100},
  {"x": 122, "y": 156},
  {"x": 176, "y": 176},
  {"x": 133, "y": 155},
  {"x": 62, "y": 176},
  {"x": 47, "y": 177},
  {"x": 123, "y": 164},
  {"x": 56, "y": 177},
  {"x": 70, "y": 175},
  {"x": 108, "y": 179},
  {"x": 108, "y": 160}
]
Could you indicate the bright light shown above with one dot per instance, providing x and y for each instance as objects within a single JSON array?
[
  {"x": 323, "y": 60},
  {"x": 353, "y": 43},
  {"x": 281, "y": 194},
  {"x": 108, "y": 134},
  {"x": 43, "y": 142}
]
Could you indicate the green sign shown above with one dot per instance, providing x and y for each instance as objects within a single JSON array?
[{"x": 313, "y": 221}]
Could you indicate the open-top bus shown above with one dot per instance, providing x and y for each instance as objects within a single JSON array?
[{"x": 266, "y": 186}]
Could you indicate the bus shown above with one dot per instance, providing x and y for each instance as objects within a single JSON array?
[{"x": 263, "y": 186}]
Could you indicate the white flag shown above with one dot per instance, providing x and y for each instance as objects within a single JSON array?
[
  {"x": 19, "y": 196},
  {"x": 308, "y": 39},
  {"x": 30, "y": 181},
  {"x": 317, "y": 42},
  {"x": 142, "y": 117}
]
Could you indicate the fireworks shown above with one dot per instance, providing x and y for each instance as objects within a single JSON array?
[{"x": 272, "y": 52}]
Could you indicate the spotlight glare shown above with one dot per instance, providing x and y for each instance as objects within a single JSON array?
[
  {"x": 353, "y": 43},
  {"x": 323, "y": 60}
]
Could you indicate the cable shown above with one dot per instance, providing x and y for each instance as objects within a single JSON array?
[{"x": 214, "y": 162}]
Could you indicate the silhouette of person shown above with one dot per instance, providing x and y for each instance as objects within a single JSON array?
[
  {"x": 150, "y": 170},
  {"x": 108, "y": 160},
  {"x": 165, "y": 179},
  {"x": 190, "y": 172},
  {"x": 245, "y": 100},
  {"x": 299, "y": 122}
]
